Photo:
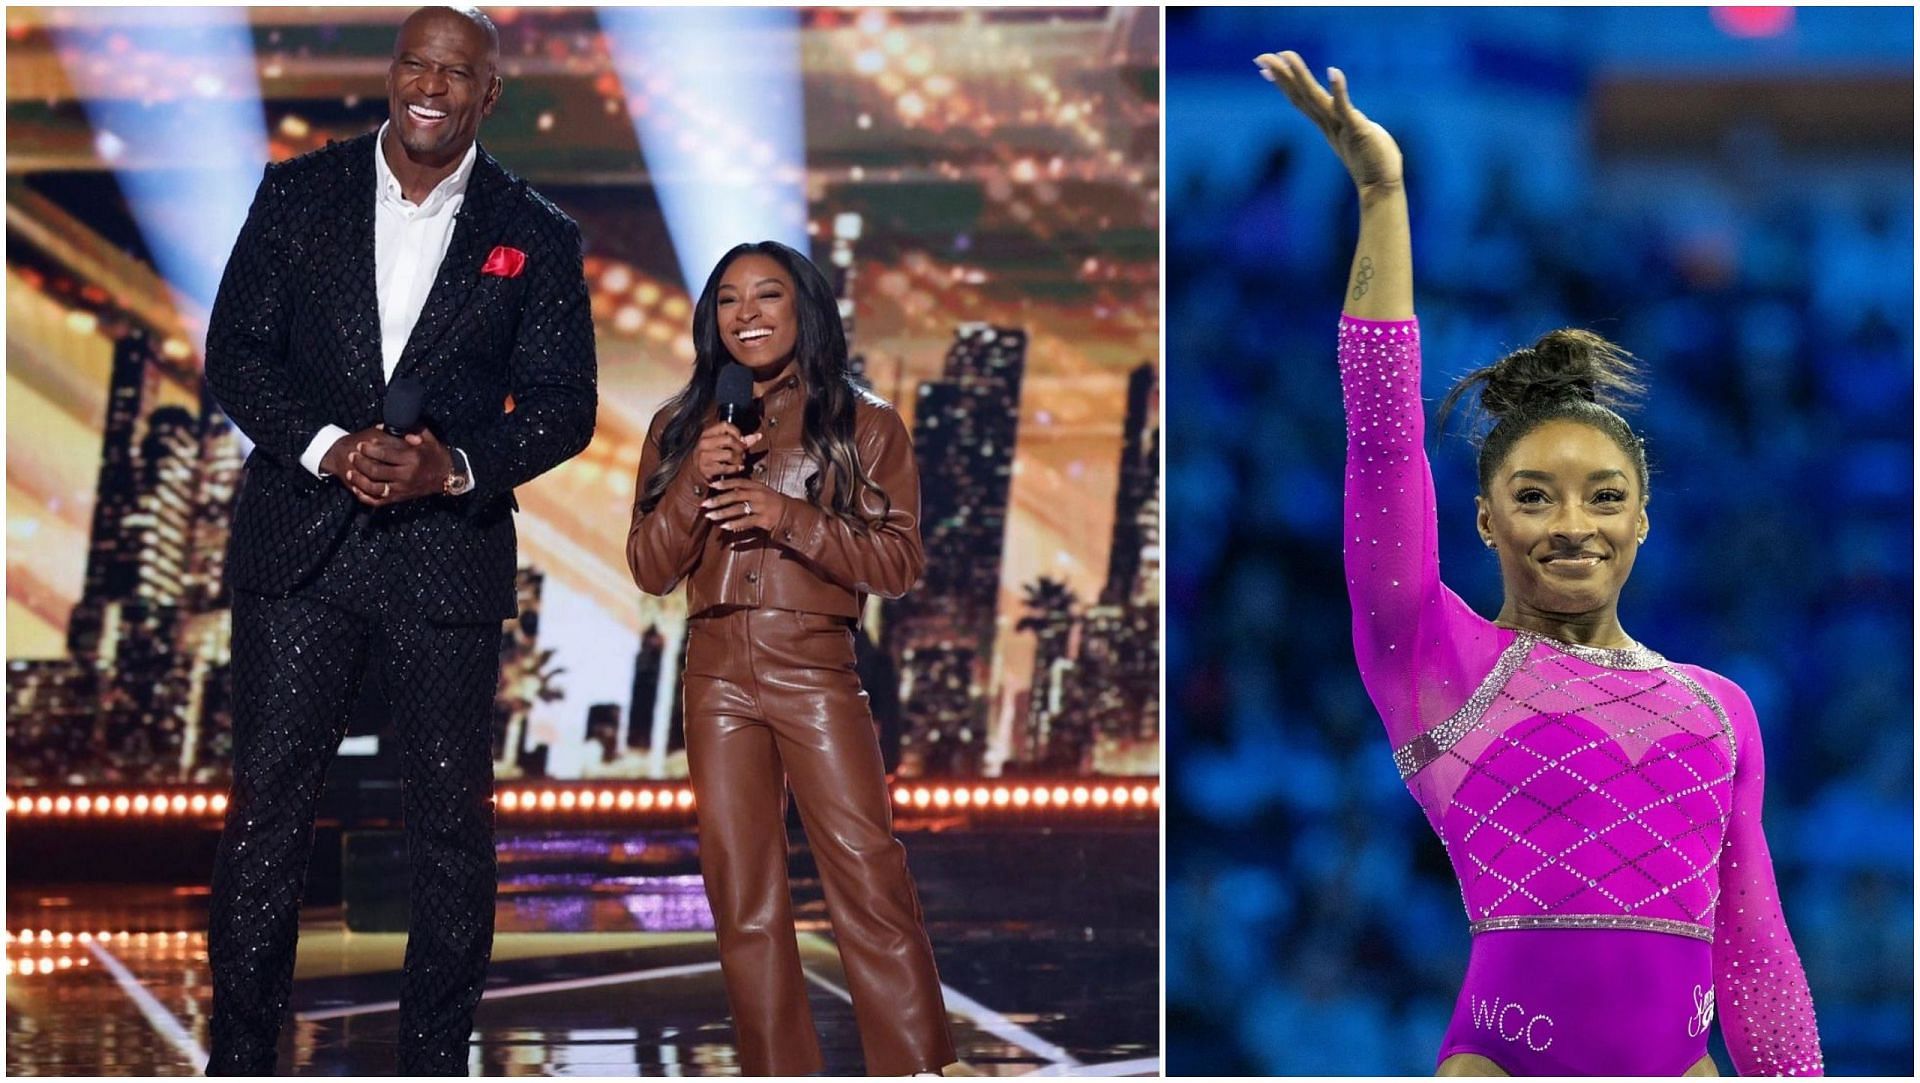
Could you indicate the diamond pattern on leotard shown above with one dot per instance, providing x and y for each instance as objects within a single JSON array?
[{"x": 1580, "y": 789}]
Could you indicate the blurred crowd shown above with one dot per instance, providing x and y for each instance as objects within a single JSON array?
[{"x": 1314, "y": 925}]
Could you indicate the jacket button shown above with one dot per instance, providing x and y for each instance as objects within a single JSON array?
[
  {"x": 753, "y": 577},
  {"x": 773, "y": 421},
  {"x": 760, "y": 468}
]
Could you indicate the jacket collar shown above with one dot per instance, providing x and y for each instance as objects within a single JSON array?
[{"x": 349, "y": 259}]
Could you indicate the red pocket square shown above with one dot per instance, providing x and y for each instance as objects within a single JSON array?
[{"x": 505, "y": 262}]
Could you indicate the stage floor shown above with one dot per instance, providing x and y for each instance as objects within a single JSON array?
[{"x": 604, "y": 964}]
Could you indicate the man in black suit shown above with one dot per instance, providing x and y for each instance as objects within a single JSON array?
[{"x": 408, "y": 254}]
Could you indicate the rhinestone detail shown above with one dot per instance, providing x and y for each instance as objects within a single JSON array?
[{"x": 1592, "y": 921}]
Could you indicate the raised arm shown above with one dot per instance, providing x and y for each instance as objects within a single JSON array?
[
  {"x": 1760, "y": 988},
  {"x": 1380, "y": 283},
  {"x": 1420, "y": 649}
]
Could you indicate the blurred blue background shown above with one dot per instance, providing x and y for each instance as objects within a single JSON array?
[{"x": 1729, "y": 195}]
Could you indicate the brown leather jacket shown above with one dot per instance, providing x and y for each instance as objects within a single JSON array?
[{"x": 813, "y": 561}]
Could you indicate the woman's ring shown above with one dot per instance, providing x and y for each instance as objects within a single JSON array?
[
  {"x": 746, "y": 507},
  {"x": 386, "y": 489}
]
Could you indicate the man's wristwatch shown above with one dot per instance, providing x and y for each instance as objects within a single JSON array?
[{"x": 460, "y": 478}]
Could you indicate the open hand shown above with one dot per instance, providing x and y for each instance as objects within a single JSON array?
[
  {"x": 1371, "y": 156},
  {"x": 383, "y": 469},
  {"x": 744, "y": 504}
]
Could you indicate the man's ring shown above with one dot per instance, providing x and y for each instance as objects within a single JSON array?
[{"x": 386, "y": 489}]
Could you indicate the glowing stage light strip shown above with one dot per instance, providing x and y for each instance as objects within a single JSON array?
[
  {"x": 629, "y": 801},
  {"x": 715, "y": 97},
  {"x": 174, "y": 101}
]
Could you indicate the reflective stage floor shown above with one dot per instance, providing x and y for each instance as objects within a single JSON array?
[{"x": 604, "y": 961}]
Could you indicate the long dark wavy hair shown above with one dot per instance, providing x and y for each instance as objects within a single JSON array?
[{"x": 820, "y": 349}]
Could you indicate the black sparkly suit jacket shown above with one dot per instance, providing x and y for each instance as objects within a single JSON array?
[{"x": 294, "y": 345}]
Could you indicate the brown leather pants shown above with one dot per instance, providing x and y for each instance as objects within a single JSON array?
[{"x": 771, "y": 691}]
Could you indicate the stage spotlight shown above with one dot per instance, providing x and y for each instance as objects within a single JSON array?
[
  {"x": 188, "y": 155},
  {"x": 743, "y": 175}
]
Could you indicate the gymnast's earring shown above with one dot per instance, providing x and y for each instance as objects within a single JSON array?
[{"x": 1490, "y": 543}]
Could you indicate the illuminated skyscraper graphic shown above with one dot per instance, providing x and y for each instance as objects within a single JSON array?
[
  {"x": 113, "y": 554},
  {"x": 646, "y": 687},
  {"x": 965, "y": 429},
  {"x": 1119, "y": 663},
  {"x": 1139, "y": 480},
  {"x": 221, "y": 465}
]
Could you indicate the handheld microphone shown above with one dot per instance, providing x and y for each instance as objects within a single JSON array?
[
  {"x": 734, "y": 390},
  {"x": 400, "y": 413}
]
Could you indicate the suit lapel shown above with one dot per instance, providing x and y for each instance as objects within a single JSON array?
[
  {"x": 354, "y": 288},
  {"x": 475, "y": 231}
]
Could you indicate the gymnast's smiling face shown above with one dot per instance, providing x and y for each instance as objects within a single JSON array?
[{"x": 1566, "y": 511}]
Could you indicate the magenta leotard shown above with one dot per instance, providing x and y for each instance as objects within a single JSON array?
[{"x": 1601, "y": 808}]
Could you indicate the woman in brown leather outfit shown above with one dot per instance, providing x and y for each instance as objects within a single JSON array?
[{"x": 780, "y": 534}]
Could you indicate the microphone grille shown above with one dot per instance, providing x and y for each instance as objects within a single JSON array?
[
  {"x": 734, "y": 386},
  {"x": 401, "y": 410}
]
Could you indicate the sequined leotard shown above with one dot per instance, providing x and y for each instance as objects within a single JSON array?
[{"x": 1601, "y": 808}]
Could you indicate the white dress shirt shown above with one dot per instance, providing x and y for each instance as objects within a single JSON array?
[{"x": 409, "y": 242}]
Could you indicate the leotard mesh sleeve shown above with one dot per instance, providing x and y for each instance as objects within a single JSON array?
[
  {"x": 1764, "y": 1005},
  {"x": 1420, "y": 649}
]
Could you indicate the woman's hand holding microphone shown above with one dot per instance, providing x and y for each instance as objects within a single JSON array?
[{"x": 736, "y": 503}]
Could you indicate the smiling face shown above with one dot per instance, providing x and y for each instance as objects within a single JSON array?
[
  {"x": 1567, "y": 513},
  {"x": 441, "y": 84},
  {"x": 757, "y": 319}
]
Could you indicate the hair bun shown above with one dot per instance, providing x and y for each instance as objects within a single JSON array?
[{"x": 1562, "y": 365}]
